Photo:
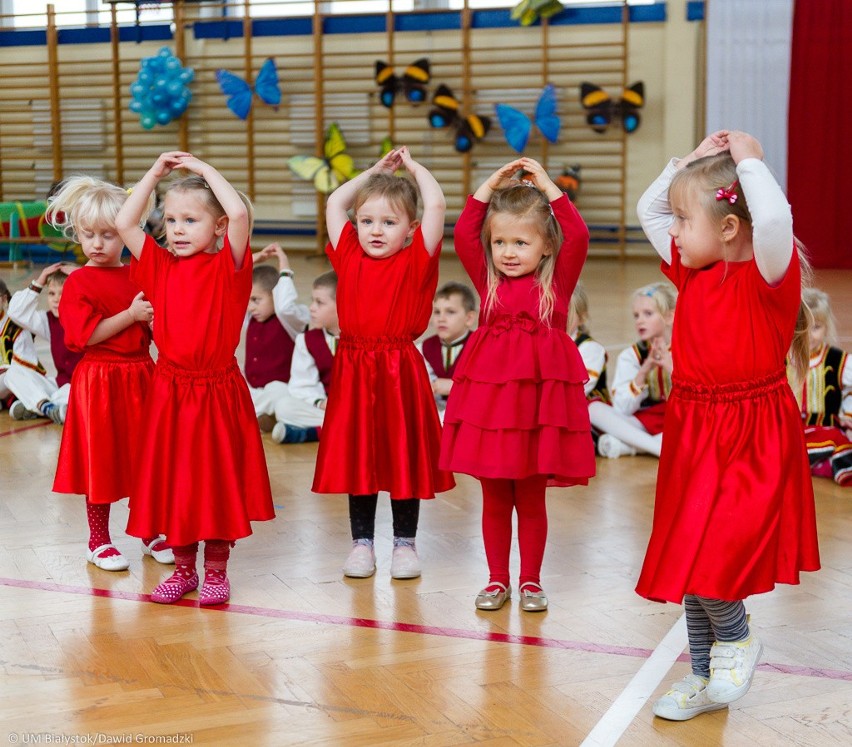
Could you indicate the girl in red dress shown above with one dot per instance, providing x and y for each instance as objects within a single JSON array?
[
  {"x": 517, "y": 417},
  {"x": 727, "y": 522},
  {"x": 105, "y": 317},
  {"x": 381, "y": 426},
  {"x": 203, "y": 473}
]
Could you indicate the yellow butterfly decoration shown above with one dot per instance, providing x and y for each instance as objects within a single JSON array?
[{"x": 330, "y": 172}]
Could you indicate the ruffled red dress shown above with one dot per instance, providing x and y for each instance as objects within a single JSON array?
[
  {"x": 517, "y": 407},
  {"x": 203, "y": 473},
  {"x": 101, "y": 437},
  {"x": 734, "y": 511},
  {"x": 381, "y": 427}
]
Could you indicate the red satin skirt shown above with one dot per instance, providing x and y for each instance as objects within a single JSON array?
[
  {"x": 381, "y": 428},
  {"x": 734, "y": 511},
  {"x": 101, "y": 437},
  {"x": 202, "y": 468},
  {"x": 518, "y": 409}
]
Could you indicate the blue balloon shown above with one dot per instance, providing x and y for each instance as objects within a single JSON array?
[{"x": 160, "y": 93}]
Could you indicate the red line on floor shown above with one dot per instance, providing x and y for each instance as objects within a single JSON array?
[
  {"x": 400, "y": 627},
  {"x": 26, "y": 428}
]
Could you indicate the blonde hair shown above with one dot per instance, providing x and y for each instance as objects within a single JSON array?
[
  {"x": 524, "y": 202},
  {"x": 578, "y": 310},
  {"x": 82, "y": 201},
  {"x": 399, "y": 191},
  {"x": 818, "y": 304},
  {"x": 662, "y": 294},
  {"x": 195, "y": 184}
]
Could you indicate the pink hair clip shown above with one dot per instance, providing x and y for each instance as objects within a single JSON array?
[{"x": 728, "y": 193}]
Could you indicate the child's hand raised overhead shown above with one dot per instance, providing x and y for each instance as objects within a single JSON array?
[
  {"x": 55, "y": 267},
  {"x": 168, "y": 162},
  {"x": 743, "y": 145},
  {"x": 191, "y": 163},
  {"x": 540, "y": 178},
  {"x": 497, "y": 180},
  {"x": 713, "y": 144},
  {"x": 388, "y": 163},
  {"x": 264, "y": 254}
]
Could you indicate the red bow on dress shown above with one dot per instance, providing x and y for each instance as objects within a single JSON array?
[{"x": 523, "y": 321}]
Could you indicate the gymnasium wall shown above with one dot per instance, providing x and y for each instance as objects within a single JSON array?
[{"x": 326, "y": 68}]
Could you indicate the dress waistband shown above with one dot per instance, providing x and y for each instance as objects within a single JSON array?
[
  {"x": 110, "y": 356},
  {"x": 732, "y": 392},
  {"x": 380, "y": 342},
  {"x": 165, "y": 367}
]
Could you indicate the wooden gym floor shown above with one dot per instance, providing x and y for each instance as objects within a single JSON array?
[{"x": 303, "y": 656}]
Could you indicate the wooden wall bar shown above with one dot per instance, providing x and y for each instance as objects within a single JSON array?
[{"x": 65, "y": 106}]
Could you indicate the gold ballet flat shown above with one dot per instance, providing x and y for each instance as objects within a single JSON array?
[
  {"x": 533, "y": 598},
  {"x": 493, "y": 600}
]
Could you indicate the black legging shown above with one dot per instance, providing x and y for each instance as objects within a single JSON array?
[{"x": 362, "y": 516}]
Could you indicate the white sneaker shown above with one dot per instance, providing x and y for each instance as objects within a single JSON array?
[
  {"x": 279, "y": 432},
  {"x": 18, "y": 411},
  {"x": 361, "y": 562},
  {"x": 732, "y": 666},
  {"x": 405, "y": 563},
  {"x": 611, "y": 448},
  {"x": 685, "y": 700}
]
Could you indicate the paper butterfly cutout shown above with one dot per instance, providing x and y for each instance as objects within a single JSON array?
[
  {"x": 569, "y": 181},
  {"x": 469, "y": 129},
  {"x": 517, "y": 125},
  {"x": 240, "y": 93},
  {"x": 528, "y": 12},
  {"x": 602, "y": 109},
  {"x": 330, "y": 172},
  {"x": 412, "y": 83}
]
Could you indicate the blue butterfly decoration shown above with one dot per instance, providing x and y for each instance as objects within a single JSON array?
[
  {"x": 240, "y": 93},
  {"x": 517, "y": 125}
]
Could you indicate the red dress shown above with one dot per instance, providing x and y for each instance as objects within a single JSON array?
[
  {"x": 381, "y": 427},
  {"x": 203, "y": 472},
  {"x": 517, "y": 407},
  {"x": 734, "y": 512},
  {"x": 101, "y": 438}
]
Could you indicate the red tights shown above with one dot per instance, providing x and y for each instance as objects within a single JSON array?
[{"x": 499, "y": 498}]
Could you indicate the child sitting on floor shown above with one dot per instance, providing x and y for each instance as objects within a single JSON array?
[
  {"x": 453, "y": 316},
  {"x": 826, "y": 396},
  {"x": 37, "y": 393},
  {"x": 643, "y": 378},
  {"x": 274, "y": 320},
  {"x": 301, "y": 414}
]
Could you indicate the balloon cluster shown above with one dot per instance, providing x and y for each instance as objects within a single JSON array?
[{"x": 160, "y": 93}]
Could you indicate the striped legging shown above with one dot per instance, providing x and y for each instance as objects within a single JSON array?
[{"x": 708, "y": 621}]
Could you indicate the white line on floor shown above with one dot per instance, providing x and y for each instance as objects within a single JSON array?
[{"x": 625, "y": 707}]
